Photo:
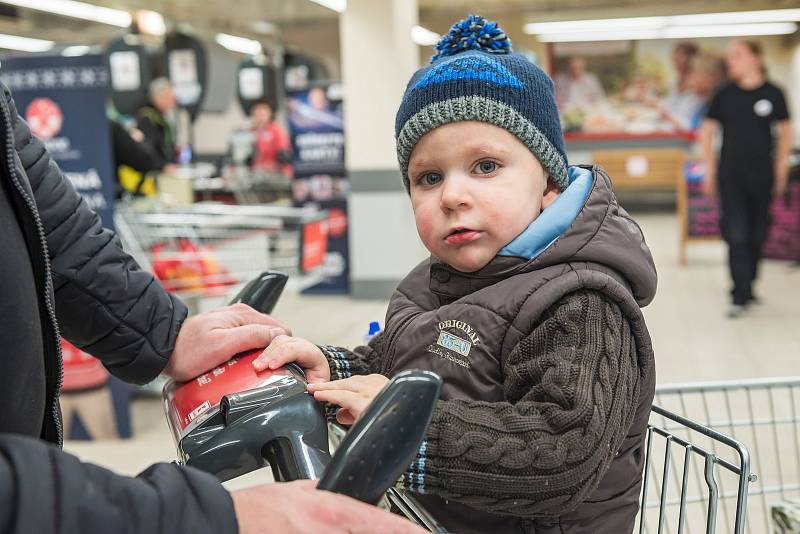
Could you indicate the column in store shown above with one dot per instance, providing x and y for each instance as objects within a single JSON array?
[{"x": 378, "y": 58}]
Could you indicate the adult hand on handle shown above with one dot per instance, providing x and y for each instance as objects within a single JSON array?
[
  {"x": 298, "y": 507},
  {"x": 286, "y": 349},
  {"x": 214, "y": 337}
]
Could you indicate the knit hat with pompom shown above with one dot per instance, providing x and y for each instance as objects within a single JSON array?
[{"x": 475, "y": 77}]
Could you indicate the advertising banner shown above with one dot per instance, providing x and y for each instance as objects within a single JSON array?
[
  {"x": 63, "y": 100},
  {"x": 316, "y": 127}
]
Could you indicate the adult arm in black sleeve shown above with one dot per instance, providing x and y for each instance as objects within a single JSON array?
[
  {"x": 43, "y": 489},
  {"x": 105, "y": 304}
]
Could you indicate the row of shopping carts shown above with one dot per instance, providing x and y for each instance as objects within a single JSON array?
[{"x": 205, "y": 252}]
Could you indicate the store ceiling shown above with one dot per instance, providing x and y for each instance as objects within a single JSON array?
[{"x": 211, "y": 16}]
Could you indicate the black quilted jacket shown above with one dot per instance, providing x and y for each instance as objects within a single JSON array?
[{"x": 103, "y": 303}]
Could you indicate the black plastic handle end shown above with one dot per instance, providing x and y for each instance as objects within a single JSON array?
[
  {"x": 262, "y": 292},
  {"x": 385, "y": 439}
]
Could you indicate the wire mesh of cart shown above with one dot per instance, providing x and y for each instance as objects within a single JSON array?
[
  {"x": 760, "y": 414},
  {"x": 207, "y": 251},
  {"x": 695, "y": 478}
]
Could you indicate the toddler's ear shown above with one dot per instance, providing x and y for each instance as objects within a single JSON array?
[{"x": 551, "y": 192}]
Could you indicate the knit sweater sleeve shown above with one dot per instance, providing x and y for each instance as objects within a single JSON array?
[
  {"x": 572, "y": 388},
  {"x": 362, "y": 360}
]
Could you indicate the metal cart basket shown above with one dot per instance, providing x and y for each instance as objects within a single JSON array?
[
  {"x": 761, "y": 414},
  {"x": 206, "y": 252}
]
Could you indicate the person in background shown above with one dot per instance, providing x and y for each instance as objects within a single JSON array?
[
  {"x": 681, "y": 103},
  {"x": 134, "y": 160},
  {"x": 578, "y": 89},
  {"x": 157, "y": 121},
  {"x": 272, "y": 146},
  {"x": 706, "y": 75},
  {"x": 751, "y": 169}
]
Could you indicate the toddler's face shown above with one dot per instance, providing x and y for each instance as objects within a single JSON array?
[{"x": 474, "y": 188}]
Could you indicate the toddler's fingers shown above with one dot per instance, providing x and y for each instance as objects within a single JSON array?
[
  {"x": 275, "y": 352},
  {"x": 345, "y": 384},
  {"x": 317, "y": 376},
  {"x": 345, "y": 399},
  {"x": 345, "y": 417}
]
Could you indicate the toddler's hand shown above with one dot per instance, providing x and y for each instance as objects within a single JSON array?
[
  {"x": 353, "y": 394},
  {"x": 286, "y": 349}
]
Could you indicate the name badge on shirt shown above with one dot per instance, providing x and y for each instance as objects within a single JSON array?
[{"x": 763, "y": 107}]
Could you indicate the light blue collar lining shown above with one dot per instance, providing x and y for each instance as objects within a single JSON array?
[{"x": 554, "y": 220}]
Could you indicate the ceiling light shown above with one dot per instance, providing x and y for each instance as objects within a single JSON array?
[
  {"x": 424, "y": 36},
  {"x": 239, "y": 44},
  {"x": 731, "y": 30},
  {"x": 265, "y": 27},
  {"x": 150, "y": 22},
  {"x": 77, "y": 50},
  {"x": 738, "y": 17},
  {"x": 622, "y": 35},
  {"x": 336, "y": 5},
  {"x": 24, "y": 44},
  {"x": 686, "y": 32},
  {"x": 764, "y": 22},
  {"x": 638, "y": 23},
  {"x": 78, "y": 10}
]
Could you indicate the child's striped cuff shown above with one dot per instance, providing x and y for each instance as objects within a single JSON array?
[
  {"x": 338, "y": 362},
  {"x": 414, "y": 478}
]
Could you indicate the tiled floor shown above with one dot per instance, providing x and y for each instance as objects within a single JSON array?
[{"x": 692, "y": 337}]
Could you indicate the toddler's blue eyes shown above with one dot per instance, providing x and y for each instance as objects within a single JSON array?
[
  {"x": 486, "y": 167},
  {"x": 430, "y": 178}
]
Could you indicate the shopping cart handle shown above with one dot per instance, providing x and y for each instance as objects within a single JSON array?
[
  {"x": 382, "y": 443},
  {"x": 262, "y": 292}
]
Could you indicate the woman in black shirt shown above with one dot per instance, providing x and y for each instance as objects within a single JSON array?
[{"x": 750, "y": 169}]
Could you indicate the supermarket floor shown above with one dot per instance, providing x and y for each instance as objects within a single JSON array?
[{"x": 693, "y": 339}]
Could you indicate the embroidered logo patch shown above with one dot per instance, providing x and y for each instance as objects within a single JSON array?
[
  {"x": 478, "y": 68},
  {"x": 454, "y": 343},
  {"x": 455, "y": 348}
]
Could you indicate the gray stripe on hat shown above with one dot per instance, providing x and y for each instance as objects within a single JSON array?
[{"x": 480, "y": 108}]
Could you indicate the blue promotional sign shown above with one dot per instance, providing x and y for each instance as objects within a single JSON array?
[
  {"x": 316, "y": 126},
  {"x": 63, "y": 100}
]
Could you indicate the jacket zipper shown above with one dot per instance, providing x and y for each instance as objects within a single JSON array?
[{"x": 48, "y": 282}]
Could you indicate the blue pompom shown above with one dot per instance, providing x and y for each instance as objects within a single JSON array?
[{"x": 473, "y": 33}]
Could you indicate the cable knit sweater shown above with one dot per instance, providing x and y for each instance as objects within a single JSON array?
[{"x": 571, "y": 388}]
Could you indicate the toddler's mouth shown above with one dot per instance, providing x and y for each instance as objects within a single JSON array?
[{"x": 460, "y": 236}]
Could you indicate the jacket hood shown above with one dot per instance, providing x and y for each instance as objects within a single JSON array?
[{"x": 600, "y": 232}]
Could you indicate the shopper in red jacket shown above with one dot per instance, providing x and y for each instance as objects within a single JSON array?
[{"x": 272, "y": 146}]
